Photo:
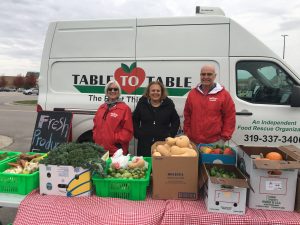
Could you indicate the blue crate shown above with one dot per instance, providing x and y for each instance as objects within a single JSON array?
[{"x": 216, "y": 158}]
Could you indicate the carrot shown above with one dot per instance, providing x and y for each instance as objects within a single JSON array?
[
  {"x": 13, "y": 164},
  {"x": 22, "y": 162}
]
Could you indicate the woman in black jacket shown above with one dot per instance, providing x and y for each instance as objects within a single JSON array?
[{"x": 154, "y": 118}]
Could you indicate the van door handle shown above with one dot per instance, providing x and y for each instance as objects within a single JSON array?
[{"x": 244, "y": 113}]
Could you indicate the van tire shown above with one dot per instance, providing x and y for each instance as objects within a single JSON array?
[{"x": 86, "y": 137}]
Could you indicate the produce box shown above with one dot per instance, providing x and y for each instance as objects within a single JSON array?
[
  {"x": 131, "y": 189},
  {"x": 64, "y": 180},
  {"x": 273, "y": 181},
  {"x": 212, "y": 158},
  {"x": 175, "y": 177},
  {"x": 225, "y": 188},
  {"x": 297, "y": 201},
  {"x": 10, "y": 155},
  {"x": 17, "y": 183}
]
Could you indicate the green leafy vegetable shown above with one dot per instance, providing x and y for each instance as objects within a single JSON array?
[
  {"x": 221, "y": 172},
  {"x": 86, "y": 155}
]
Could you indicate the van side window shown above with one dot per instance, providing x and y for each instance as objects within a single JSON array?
[{"x": 263, "y": 82}]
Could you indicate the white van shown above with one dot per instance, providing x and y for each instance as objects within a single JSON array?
[{"x": 80, "y": 57}]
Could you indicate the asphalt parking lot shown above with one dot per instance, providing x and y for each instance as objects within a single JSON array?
[{"x": 17, "y": 124}]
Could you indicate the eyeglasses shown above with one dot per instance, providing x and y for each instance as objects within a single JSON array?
[
  {"x": 207, "y": 74},
  {"x": 113, "y": 89}
]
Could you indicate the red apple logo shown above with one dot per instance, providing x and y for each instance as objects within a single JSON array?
[{"x": 129, "y": 78}]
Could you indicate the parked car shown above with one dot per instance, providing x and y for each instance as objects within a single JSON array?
[
  {"x": 31, "y": 91},
  {"x": 20, "y": 89},
  {"x": 12, "y": 89}
]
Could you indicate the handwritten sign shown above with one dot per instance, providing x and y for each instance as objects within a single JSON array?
[{"x": 51, "y": 129}]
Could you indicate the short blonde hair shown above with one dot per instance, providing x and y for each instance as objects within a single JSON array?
[{"x": 110, "y": 83}]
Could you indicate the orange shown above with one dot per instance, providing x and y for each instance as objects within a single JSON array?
[{"x": 274, "y": 156}]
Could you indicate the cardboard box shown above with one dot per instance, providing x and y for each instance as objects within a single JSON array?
[
  {"x": 174, "y": 177},
  {"x": 224, "y": 195},
  {"x": 217, "y": 158},
  {"x": 297, "y": 201},
  {"x": 295, "y": 152},
  {"x": 64, "y": 180},
  {"x": 273, "y": 182}
]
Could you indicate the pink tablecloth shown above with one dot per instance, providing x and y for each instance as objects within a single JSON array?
[{"x": 54, "y": 210}]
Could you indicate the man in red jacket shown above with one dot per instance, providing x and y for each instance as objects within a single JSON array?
[{"x": 209, "y": 112}]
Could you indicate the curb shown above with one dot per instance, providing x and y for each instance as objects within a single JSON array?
[{"x": 5, "y": 141}]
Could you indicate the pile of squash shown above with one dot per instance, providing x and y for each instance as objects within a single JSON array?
[{"x": 178, "y": 146}]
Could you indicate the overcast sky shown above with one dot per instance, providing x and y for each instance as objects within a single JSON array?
[{"x": 23, "y": 23}]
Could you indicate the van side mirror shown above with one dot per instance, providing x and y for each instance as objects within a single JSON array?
[{"x": 295, "y": 97}]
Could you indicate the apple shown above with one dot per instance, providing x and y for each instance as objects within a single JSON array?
[
  {"x": 228, "y": 151},
  {"x": 129, "y": 78},
  {"x": 217, "y": 151},
  {"x": 206, "y": 149}
]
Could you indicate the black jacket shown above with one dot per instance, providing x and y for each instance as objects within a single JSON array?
[{"x": 153, "y": 124}]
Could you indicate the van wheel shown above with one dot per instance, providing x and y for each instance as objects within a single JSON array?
[{"x": 86, "y": 137}]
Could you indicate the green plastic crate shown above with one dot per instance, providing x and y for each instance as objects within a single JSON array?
[
  {"x": 11, "y": 155},
  {"x": 18, "y": 183},
  {"x": 135, "y": 189}
]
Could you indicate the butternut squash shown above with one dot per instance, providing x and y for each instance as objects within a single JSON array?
[
  {"x": 170, "y": 141},
  {"x": 182, "y": 141},
  {"x": 167, "y": 146},
  {"x": 188, "y": 153},
  {"x": 163, "y": 150},
  {"x": 175, "y": 150},
  {"x": 156, "y": 154}
]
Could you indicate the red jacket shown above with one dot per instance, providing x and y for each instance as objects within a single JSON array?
[
  {"x": 209, "y": 118},
  {"x": 116, "y": 129}
]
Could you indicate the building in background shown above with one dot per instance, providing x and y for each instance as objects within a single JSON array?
[{"x": 14, "y": 82}]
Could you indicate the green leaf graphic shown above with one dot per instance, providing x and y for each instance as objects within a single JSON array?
[
  {"x": 132, "y": 66},
  {"x": 125, "y": 68}
]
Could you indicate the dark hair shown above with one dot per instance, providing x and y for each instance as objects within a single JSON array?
[{"x": 164, "y": 92}]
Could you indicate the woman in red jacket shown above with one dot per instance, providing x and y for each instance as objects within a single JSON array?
[
  {"x": 113, "y": 127},
  {"x": 209, "y": 112}
]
